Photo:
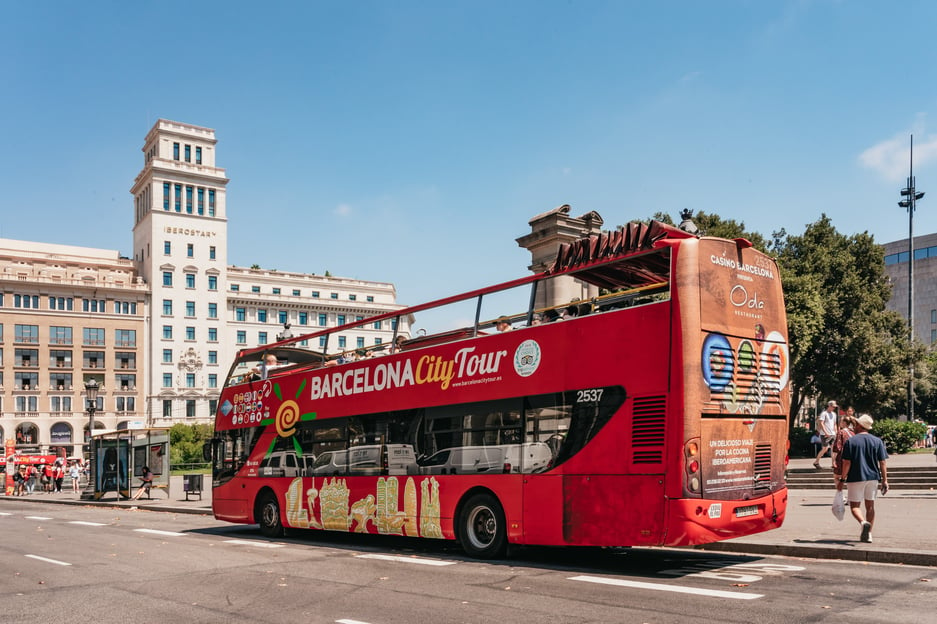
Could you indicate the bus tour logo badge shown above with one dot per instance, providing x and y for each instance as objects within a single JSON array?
[{"x": 527, "y": 358}]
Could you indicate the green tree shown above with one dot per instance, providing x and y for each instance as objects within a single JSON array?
[
  {"x": 186, "y": 443},
  {"x": 844, "y": 343}
]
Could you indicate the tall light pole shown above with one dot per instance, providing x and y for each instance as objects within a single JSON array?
[
  {"x": 910, "y": 197},
  {"x": 91, "y": 390}
]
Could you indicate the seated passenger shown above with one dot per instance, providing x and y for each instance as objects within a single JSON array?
[
  {"x": 503, "y": 324},
  {"x": 269, "y": 363}
]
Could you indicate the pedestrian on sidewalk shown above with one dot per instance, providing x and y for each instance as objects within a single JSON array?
[
  {"x": 864, "y": 458},
  {"x": 845, "y": 432},
  {"x": 826, "y": 429},
  {"x": 146, "y": 480},
  {"x": 58, "y": 475},
  {"x": 75, "y": 473}
]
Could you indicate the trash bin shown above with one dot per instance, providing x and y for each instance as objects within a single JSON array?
[{"x": 192, "y": 484}]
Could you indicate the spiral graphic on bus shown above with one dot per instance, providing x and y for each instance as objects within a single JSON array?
[{"x": 286, "y": 419}]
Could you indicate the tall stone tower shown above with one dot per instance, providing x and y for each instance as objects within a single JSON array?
[
  {"x": 180, "y": 249},
  {"x": 547, "y": 232}
]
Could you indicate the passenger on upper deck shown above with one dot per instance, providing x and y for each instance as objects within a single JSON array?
[
  {"x": 269, "y": 362},
  {"x": 503, "y": 324}
]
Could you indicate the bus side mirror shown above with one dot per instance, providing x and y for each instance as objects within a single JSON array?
[{"x": 206, "y": 452}]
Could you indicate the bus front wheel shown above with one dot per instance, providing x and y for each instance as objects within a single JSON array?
[
  {"x": 268, "y": 515},
  {"x": 482, "y": 529}
]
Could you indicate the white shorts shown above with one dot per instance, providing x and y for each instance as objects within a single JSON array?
[{"x": 861, "y": 490}]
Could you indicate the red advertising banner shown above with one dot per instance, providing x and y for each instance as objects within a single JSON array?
[{"x": 10, "y": 452}]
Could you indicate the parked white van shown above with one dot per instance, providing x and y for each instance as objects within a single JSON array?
[
  {"x": 502, "y": 458},
  {"x": 281, "y": 464}
]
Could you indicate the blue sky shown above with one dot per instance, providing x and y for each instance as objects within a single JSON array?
[{"x": 411, "y": 142}]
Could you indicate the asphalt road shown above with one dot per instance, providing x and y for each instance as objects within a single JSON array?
[{"x": 76, "y": 564}]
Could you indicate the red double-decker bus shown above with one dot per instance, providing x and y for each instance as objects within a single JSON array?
[{"x": 654, "y": 413}]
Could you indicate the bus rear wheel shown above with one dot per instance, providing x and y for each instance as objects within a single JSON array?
[
  {"x": 482, "y": 529},
  {"x": 268, "y": 515}
]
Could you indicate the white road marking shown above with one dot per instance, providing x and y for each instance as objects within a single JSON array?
[
  {"x": 250, "y": 543},
  {"x": 3, "y": 513},
  {"x": 350, "y": 622},
  {"x": 714, "y": 593},
  {"x": 430, "y": 562},
  {"x": 83, "y": 523},
  {"x": 37, "y": 518},
  {"x": 158, "y": 532},
  {"x": 37, "y": 557}
]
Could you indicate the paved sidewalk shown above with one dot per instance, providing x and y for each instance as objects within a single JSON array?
[{"x": 905, "y": 524}]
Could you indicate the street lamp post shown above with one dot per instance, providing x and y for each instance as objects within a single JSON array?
[
  {"x": 91, "y": 390},
  {"x": 910, "y": 197}
]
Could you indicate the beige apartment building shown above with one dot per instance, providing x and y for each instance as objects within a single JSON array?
[{"x": 158, "y": 331}]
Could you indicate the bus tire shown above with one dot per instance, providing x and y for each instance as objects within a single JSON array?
[
  {"x": 268, "y": 515},
  {"x": 482, "y": 529}
]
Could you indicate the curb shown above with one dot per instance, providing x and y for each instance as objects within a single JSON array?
[
  {"x": 147, "y": 506},
  {"x": 920, "y": 558}
]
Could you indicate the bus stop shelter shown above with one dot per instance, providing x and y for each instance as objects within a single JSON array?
[{"x": 118, "y": 458}]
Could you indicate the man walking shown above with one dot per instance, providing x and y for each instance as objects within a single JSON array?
[
  {"x": 864, "y": 458},
  {"x": 826, "y": 429}
]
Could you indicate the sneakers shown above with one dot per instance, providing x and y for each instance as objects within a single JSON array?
[
  {"x": 866, "y": 535},
  {"x": 816, "y": 465}
]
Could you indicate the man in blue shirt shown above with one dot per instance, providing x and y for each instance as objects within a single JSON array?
[{"x": 864, "y": 458}]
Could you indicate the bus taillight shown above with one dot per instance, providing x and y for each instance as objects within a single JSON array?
[
  {"x": 507, "y": 468},
  {"x": 691, "y": 465}
]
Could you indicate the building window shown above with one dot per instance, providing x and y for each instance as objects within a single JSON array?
[
  {"x": 166, "y": 193},
  {"x": 212, "y": 406},
  {"x": 255, "y": 289},
  {"x": 92, "y": 359},
  {"x": 340, "y": 319},
  {"x": 190, "y": 380},
  {"x": 190, "y": 308},
  {"x": 26, "y": 301},
  {"x": 93, "y": 336},
  {"x": 211, "y": 252},
  {"x": 190, "y": 280},
  {"x": 235, "y": 287},
  {"x": 303, "y": 318},
  {"x": 240, "y": 314},
  {"x": 175, "y": 151},
  {"x": 125, "y": 337},
  {"x": 241, "y": 337},
  {"x": 352, "y": 297},
  {"x": 341, "y": 342},
  {"x": 276, "y": 291},
  {"x": 282, "y": 317},
  {"x": 27, "y": 333},
  {"x": 200, "y": 198},
  {"x": 360, "y": 341},
  {"x": 188, "y": 153},
  {"x": 323, "y": 319},
  {"x": 198, "y": 155},
  {"x": 213, "y": 334},
  {"x": 167, "y": 406},
  {"x": 261, "y": 316},
  {"x": 167, "y": 380},
  {"x": 167, "y": 248},
  {"x": 359, "y": 317},
  {"x": 296, "y": 292},
  {"x": 167, "y": 278},
  {"x": 321, "y": 342},
  {"x": 212, "y": 357},
  {"x": 167, "y": 356},
  {"x": 212, "y": 381},
  {"x": 63, "y": 303},
  {"x": 190, "y": 333},
  {"x": 167, "y": 332},
  {"x": 370, "y": 299},
  {"x": 211, "y": 202},
  {"x": 189, "y": 190},
  {"x": 315, "y": 294},
  {"x": 178, "y": 197},
  {"x": 167, "y": 307},
  {"x": 333, "y": 295},
  {"x": 190, "y": 250},
  {"x": 212, "y": 310},
  {"x": 60, "y": 335},
  {"x": 933, "y": 316},
  {"x": 212, "y": 282},
  {"x": 190, "y": 408},
  {"x": 377, "y": 324},
  {"x": 261, "y": 338}
]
